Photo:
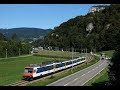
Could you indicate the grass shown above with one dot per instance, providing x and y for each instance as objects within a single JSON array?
[
  {"x": 108, "y": 53},
  {"x": 57, "y": 54},
  {"x": 48, "y": 80},
  {"x": 99, "y": 79},
  {"x": 11, "y": 69}
]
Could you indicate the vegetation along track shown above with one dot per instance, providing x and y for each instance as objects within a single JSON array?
[{"x": 24, "y": 83}]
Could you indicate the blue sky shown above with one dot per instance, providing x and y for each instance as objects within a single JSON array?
[{"x": 39, "y": 15}]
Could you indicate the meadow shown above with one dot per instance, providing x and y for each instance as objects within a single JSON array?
[
  {"x": 57, "y": 54},
  {"x": 108, "y": 53}
]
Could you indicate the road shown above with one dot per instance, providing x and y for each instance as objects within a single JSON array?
[{"x": 83, "y": 76}]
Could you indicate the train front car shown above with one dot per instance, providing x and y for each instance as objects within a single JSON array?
[{"x": 28, "y": 73}]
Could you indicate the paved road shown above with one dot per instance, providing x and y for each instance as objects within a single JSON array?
[{"x": 83, "y": 76}]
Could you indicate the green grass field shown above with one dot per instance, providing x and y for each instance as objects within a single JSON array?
[
  {"x": 48, "y": 80},
  {"x": 108, "y": 53},
  {"x": 11, "y": 69},
  {"x": 57, "y": 54}
]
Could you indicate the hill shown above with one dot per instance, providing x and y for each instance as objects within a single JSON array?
[
  {"x": 25, "y": 33},
  {"x": 97, "y": 31}
]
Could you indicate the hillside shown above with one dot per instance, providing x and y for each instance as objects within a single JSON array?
[
  {"x": 96, "y": 31},
  {"x": 23, "y": 33}
]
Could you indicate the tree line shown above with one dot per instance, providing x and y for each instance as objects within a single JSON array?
[{"x": 13, "y": 46}]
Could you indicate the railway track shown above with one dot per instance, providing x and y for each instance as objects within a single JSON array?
[
  {"x": 24, "y": 83},
  {"x": 19, "y": 83}
]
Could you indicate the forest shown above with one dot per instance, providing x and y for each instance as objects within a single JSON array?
[{"x": 95, "y": 31}]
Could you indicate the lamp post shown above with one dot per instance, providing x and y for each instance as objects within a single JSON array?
[
  {"x": 81, "y": 48},
  {"x": 6, "y": 53}
]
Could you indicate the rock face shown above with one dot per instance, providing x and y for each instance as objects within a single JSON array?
[
  {"x": 107, "y": 26},
  {"x": 89, "y": 27},
  {"x": 96, "y": 8}
]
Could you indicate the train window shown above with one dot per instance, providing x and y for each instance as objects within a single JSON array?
[
  {"x": 83, "y": 58},
  {"x": 78, "y": 60},
  {"x": 39, "y": 70},
  {"x": 75, "y": 61},
  {"x": 49, "y": 67},
  {"x": 44, "y": 68},
  {"x": 58, "y": 65},
  {"x": 28, "y": 70},
  {"x": 63, "y": 64},
  {"x": 68, "y": 63}
]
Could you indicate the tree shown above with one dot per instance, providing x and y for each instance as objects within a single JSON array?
[
  {"x": 14, "y": 36},
  {"x": 114, "y": 67},
  {"x": 2, "y": 37}
]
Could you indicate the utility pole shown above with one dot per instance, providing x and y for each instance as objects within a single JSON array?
[
  {"x": 72, "y": 59},
  {"x": 84, "y": 51},
  {"x": 19, "y": 51},
  {"x": 6, "y": 53},
  {"x": 86, "y": 55},
  {"x": 72, "y": 53},
  {"x": 81, "y": 48}
]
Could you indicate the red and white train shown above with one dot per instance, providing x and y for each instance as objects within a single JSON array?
[{"x": 34, "y": 71}]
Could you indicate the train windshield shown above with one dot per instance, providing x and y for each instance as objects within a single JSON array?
[{"x": 28, "y": 70}]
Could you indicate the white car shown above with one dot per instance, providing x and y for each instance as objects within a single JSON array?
[{"x": 108, "y": 58}]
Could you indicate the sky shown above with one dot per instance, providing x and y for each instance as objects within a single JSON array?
[{"x": 43, "y": 16}]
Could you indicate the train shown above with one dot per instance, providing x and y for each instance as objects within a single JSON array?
[{"x": 36, "y": 70}]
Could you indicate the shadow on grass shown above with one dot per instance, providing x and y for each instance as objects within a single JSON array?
[{"x": 104, "y": 83}]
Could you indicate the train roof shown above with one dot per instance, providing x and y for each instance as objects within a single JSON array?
[{"x": 40, "y": 65}]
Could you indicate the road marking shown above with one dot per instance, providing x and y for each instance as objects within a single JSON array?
[
  {"x": 101, "y": 64},
  {"x": 89, "y": 71},
  {"x": 75, "y": 79},
  {"x": 66, "y": 84},
  {"x": 83, "y": 75}
]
